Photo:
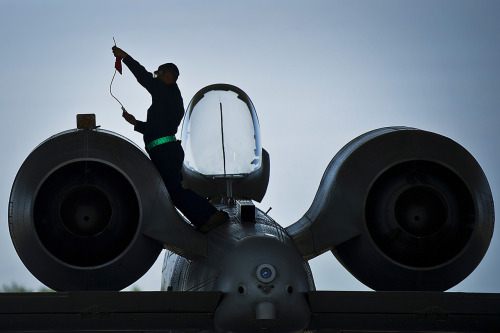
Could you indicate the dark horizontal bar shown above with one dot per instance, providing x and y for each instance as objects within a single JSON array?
[
  {"x": 330, "y": 311},
  {"x": 104, "y": 311},
  {"x": 404, "y": 312}
]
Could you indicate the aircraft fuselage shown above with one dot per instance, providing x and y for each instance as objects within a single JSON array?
[{"x": 257, "y": 266}]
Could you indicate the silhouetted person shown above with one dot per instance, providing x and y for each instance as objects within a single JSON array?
[{"x": 163, "y": 119}]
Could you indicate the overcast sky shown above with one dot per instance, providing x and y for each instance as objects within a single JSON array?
[{"x": 319, "y": 73}]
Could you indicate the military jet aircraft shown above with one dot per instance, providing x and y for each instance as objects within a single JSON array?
[{"x": 402, "y": 209}]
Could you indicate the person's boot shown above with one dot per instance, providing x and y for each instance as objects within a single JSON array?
[{"x": 218, "y": 218}]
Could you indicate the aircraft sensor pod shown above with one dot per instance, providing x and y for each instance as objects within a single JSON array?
[{"x": 266, "y": 273}]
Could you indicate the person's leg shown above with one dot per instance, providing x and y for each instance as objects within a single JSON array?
[
  {"x": 197, "y": 209},
  {"x": 168, "y": 159}
]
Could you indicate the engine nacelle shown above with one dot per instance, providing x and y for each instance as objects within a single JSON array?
[
  {"x": 401, "y": 209},
  {"x": 80, "y": 207}
]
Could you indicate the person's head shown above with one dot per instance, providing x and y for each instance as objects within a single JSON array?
[{"x": 167, "y": 73}]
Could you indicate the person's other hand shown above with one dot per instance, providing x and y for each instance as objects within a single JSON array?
[{"x": 129, "y": 118}]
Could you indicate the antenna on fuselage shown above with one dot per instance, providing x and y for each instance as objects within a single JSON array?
[
  {"x": 222, "y": 133},
  {"x": 229, "y": 181}
]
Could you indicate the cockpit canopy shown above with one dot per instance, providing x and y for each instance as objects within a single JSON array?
[{"x": 221, "y": 133}]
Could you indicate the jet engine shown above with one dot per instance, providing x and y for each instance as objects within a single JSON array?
[
  {"x": 81, "y": 206},
  {"x": 401, "y": 209}
]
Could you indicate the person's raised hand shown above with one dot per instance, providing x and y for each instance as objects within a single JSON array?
[{"x": 119, "y": 52}]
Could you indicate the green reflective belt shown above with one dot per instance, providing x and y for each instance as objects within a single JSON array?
[{"x": 160, "y": 141}]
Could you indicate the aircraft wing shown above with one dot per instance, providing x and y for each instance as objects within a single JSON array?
[
  {"x": 108, "y": 311},
  {"x": 347, "y": 311},
  {"x": 331, "y": 311}
]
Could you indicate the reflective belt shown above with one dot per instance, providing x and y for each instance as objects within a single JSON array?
[{"x": 160, "y": 141}]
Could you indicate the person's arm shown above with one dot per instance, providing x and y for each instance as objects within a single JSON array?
[
  {"x": 144, "y": 77},
  {"x": 140, "y": 126}
]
